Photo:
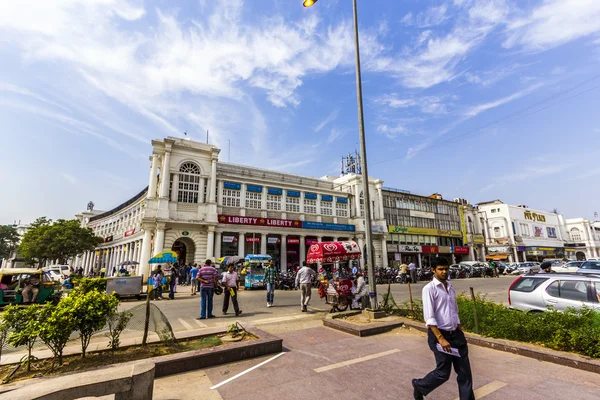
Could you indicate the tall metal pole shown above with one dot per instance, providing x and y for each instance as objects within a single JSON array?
[{"x": 363, "y": 167}]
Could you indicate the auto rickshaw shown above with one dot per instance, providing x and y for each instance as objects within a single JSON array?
[{"x": 12, "y": 283}]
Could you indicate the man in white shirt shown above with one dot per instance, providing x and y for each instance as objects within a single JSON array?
[
  {"x": 440, "y": 312},
  {"x": 231, "y": 285},
  {"x": 304, "y": 280},
  {"x": 412, "y": 269}
]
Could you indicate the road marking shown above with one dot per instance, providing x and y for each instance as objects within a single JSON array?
[
  {"x": 355, "y": 361},
  {"x": 200, "y": 324},
  {"x": 280, "y": 319},
  {"x": 248, "y": 370},
  {"x": 185, "y": 324},
  {"x": 487, "y": 389}
]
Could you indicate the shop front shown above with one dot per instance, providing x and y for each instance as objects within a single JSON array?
[
  {"x": 498, "y": 253},
  {"x": 540, "y": 253}
]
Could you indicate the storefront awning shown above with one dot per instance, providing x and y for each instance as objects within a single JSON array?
[
  {"x": 329, "y": 252},
  {"x": 497, "y": 257}
]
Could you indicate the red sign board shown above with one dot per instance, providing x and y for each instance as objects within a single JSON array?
[
  {"x": 236, "y": 220},
  {"x": 252, "y": 239},
  {"x": 293, "y": 241},
  {"x": 129, "y": 232},
  {"x": 461, "y": 250},
  {"x": 429, "y": 249},
  {"x": 329, "y": 252}
]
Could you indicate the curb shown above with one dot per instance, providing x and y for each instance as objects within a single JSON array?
[
  {"x": 526, "y": 350},
  {"x": 332, "y": 321}
]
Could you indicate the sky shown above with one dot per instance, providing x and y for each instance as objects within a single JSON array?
[{"x": 481, "y": 100}]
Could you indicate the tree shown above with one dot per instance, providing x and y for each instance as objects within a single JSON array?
[
  {"x": 8, "y": 240},
  {"x": 60, "y": 240},
  {"x": 89, "y": 312},
  {"x": 24, "y": 326},
  {"x": 55, "y": 327}
]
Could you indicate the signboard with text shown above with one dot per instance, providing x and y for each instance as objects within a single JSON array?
[
  {"x": 409, "y": 230},
  {"x": 284, "y": 223}
]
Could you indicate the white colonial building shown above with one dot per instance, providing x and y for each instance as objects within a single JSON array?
[
  {"x": 583, "y": 239},
  {"x": 205, "y": 209},
  {"x": 518, "y": 233}
]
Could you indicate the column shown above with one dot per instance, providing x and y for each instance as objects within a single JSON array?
[
  {"x": 175, "y": 187},
  {"x": 241, "y": 244},
  {"x": 263, "y": 243},
  {"x": 165, "y": 175},
  {"x": 419, "y": 260},
  {"x": 482, "y": 253},
  {"x": 283, "y": 260},
  {"x": 109, "y": 260},
  {"x": 319, "y": 239},
  {"x": 218, "y": 241},
  {"x": 471, "y": 253},
  {"x": 145, "y": 254},
  {"x": 453, "y": 259},
  {"x": 385, "y": 252},
  {"x": 302, "y": 249},
  {"x": 210, "y": 242},
  {"x": 336, "y": 264},
  {"x": 515, "y": 254},
  {"x": 153, "y": 172},
  {"x": 213, "y": 180},
  {"x": 357, "y": 202},
  {"x": 159, "y": 239},
  {"x": 380, "y": 206},
  {"x": 361, "y": 245},
  {"x": 201, "y": 189}
]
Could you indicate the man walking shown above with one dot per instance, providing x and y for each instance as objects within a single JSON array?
[
  {"x": 412, "y": 269},
  {"x": 304, "y": 280},
  {"x": 444, "y": 336},
  {"x": 269, "y": 280},
  {"x": 230, "y": 281},
  {"x": 403, "y": 273},
  {"x": 207, "y": 276},
  {"x": 195, "y": 283}
]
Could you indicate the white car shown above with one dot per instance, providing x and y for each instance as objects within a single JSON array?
[
  {"x": 525, "y": 268},
  {"x": 568, "y": 268},
  {"x": 58, "y": 272}
]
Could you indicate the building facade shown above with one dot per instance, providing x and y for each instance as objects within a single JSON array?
[
  {"x": 518, "y": 233},
  {"x": 205, "y": 209},
  {"x": 582, "y": 239}
]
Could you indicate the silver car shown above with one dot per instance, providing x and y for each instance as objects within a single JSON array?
[
  {"x": 540, "y": 291},
  {"x": 589, "y": 267},
  {"x": 525, "y": 268}
]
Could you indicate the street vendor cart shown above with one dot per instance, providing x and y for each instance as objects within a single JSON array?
[
  {"x": 125, "y": 286},
  {"x": 255, "y": 271}
]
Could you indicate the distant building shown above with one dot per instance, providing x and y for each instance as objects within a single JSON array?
[{"x": 582, "y": 240}]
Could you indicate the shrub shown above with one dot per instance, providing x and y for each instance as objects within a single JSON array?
[
  {"x": 117, "y": 322},
  {"x": 90, "y": 311},
  {"x": 56, "y": 324},
  {"x": 24, "y": 326},
  {"x": 87, "y": 284},
  {"x": 4, "y": 330}
]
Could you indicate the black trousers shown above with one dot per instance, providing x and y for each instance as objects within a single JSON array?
[
  {"x": 444, "y": 363},
  {"x": 228, "y": 295}
]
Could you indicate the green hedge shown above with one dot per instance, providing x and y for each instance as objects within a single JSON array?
[
  {"x": 87, "y": 284},
  {"x": 573, "y": 330}
]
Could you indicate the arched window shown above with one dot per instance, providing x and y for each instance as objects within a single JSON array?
[
  {"x": 575, "y": 235},
  {"x": 189, "y": 183}
]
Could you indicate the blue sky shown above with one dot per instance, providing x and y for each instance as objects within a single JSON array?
[{"x": 474, "y": 99}]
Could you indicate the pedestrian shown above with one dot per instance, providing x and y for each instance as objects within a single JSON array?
[
  {"x": 361, "y": 290},
  {"x": 269, "y": 280},
  {"x": 173, "y": 282},
  {"x": 546, "y": 268},
  {"x": 412, "y": 268},
  {"x": 195, "y": 283},
  {"x": 444, "y": 336},
  {"x": 230, "y": 281},
  {"x": 208, "y": 277},
  {"x": 304, "y": 281},
  {"x": 354, "y": 269},
  {"x": 157, "y": 277},
  {"x": 403, "y": 272}
]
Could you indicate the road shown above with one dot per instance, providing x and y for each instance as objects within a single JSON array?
[
  {"x": 321, "y": 363},
  {"x": 184, "y": 309}
]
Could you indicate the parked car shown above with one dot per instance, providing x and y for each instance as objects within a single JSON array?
[
  {"x": 58, "y": 272},
  {"x": 589, "y": 267},
  {"x": 511, "y": 268},
  {"x": 525, "y": 268},
  {"x": 568, "y": 268},
  {"x": 559, "y": 291}
]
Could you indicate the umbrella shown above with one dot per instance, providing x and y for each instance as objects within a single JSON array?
[
  {"x": 231, "y": 260},
  {"x": 128, "y": 263},
  {"x": 164, "y": 257}
]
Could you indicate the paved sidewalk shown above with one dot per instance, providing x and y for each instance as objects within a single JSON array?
[{"x": 323, "y": 363}]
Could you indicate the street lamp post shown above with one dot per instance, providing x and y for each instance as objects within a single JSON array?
[{"x": 363, "y": 162}]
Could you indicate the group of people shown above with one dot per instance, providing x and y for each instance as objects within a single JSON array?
[{"x": 409, "y": 271}]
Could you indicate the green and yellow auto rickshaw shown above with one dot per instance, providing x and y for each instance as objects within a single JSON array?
[{"x": 13, "y": 281}]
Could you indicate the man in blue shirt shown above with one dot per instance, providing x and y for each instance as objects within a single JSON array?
[{"x": 193, "y": 274}]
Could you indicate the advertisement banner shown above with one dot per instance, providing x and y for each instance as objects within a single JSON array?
[
  {"x": 229, "y": 239},
  {"x": 108, "y": 239},
  {"x": 326, "y": 226},
  {"x": 252, "y": 240},
  {"x": 461, "y": 250},
  {"x": 407, "y": 248},
  {"x": 409, "y": 230},
  {"x": 463, "y": 223},
  {"x": 311, "y": 241},
  {"x": 129, "y": 232},
  {"x": 445, "y": 249},
  {"x": 430, "y": 249},
  {"x": 422, "y": 214},
  {"x": 293, "y": 241},
  {"x": 236, "y": 220},
  {"x": 273, "y": 240},
  {"x": 479, "y": 239},
  {"x": 392, "y": 248}
]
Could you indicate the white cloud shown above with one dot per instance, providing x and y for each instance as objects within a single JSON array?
[
  {"x": 335, "y": 134},
  {"x": 426, "y": 104},
  {"x": 553, "y": 23},
  {"x": 392, "y": 131},
  {"x": 478, "y": 109},
  {"x": 527, "y": 174},
  {"x": 430, "y": 17},
  {"x": 330, "y": 118},
  {"x": 69, "y": 178}
]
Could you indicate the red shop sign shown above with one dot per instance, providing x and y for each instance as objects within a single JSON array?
[
  {"x": 236, "y": 220},
  {"x": 429, "y": 249},
  {"x": 461, "y": 250},
  {"x": 293, "y": 241},
  {"x": 252, "y": 239},
  {"x": 129, "y": 232}
]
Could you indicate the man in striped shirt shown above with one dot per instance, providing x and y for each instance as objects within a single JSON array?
[{"x": 208, "y": 276}]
